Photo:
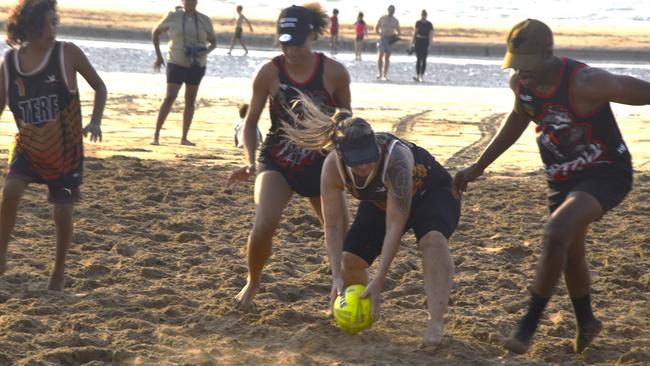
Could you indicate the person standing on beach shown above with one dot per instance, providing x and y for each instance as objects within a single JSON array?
[
  {"x": 282, "y": 167},
  {"x": 360, "y": 33},
  {"x": 191, "y": 38},
  {"x": 239, "y": 22},
  {"x": 400, "y": 186},
  {"x": 422, "y": 38},
  {"x": 387, "y": 28},
  {"x": 39, "y": 82},
  {"x": 334, "y": 31},
  {"x": 588, "y": 165}
]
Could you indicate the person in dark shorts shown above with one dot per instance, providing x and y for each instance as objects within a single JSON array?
[
  {"x": 239, "y": 30},
  {"x": 588, "y": 165},
  {"x": 422, "y": 39},
  {"x": 38, "y": 80},
  {"x": 191, "y": 39},
  {"x": 401, "y": 186},
  {"x": 283, "y": 167}
]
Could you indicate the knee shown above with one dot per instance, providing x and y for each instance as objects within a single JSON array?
[
  {"x": 170, "y": 98},
  {"x": 11, "y": 194},
  {"x": 190, "y": 100},
  {"x": 262, "y": 231},
  {"x": 434, "y": 243},
  {"x": 556, "y": 236},
  {"x": 62, "y": 213}
]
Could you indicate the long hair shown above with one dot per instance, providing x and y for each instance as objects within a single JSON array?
[
  {"x": 26, "y": 20},
  {"x": 314, "y": 129},
  {"x": 320, "y": 18}
]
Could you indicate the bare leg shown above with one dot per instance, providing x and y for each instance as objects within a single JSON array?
[
  {"x": 62, "y": 214},
  {"x": 578, "y": 282},
  {"x": 438, "y": 271},
  {"x": 11, "y": 192},
  {"x": 386, "y": 63},
  {"x": 380, "y": 65},
  {"x": 354, "y": 270},
  {"x": 165, "y": 107},
  {"x": 188, "y": 113},
  {"x": 271, "y": 196},
  {"x": 232, "y": 44},
  {"x": 567, "y": 225},
  {"x": 315, "y": 204},
  {"x": 243, "y": 46}
]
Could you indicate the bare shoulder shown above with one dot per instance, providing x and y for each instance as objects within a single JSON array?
[
  {"x": 588, "y": 76},
  {"x": 71, "y": 51},
  {"x": 330, "y": 172},
  {"x": 266, "y": 73},
  {"x": 401, "y": 152},
  {"x": 514, "y": 81},
  {"x": 335, "y": 68}
]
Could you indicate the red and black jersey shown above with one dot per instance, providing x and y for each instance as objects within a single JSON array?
[
  {"x": 572, "y": 144},
  {"x": 48, "y": 117},
  {"x": 285, "y": 153}
]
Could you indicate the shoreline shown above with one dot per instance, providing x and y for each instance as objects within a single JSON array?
[{"x": 626, "y": 44}]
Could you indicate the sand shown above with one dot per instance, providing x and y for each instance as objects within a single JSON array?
[{"x": 157, "y": 254}]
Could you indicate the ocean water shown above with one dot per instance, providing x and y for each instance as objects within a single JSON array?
[
  {"x": 597, "y": 13},
  {"x": 138, "y": 57}
]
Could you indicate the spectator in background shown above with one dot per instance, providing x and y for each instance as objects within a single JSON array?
[
  {"x": 361, "y": 32},
  {"x": 422, "y": 38},
  {"x": 191, "y": 38},
  {"x": 388, "y": 30},
  {"x": 239, "y": 29},
  {"x": 334, "y": 31}
]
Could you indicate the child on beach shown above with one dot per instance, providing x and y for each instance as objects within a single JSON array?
[
  {"x": 39, "y": 82},
  {"x": 334, "y": 31},
  {"x": 588, "y": 166},
  {"x": 282, "y": 167},
  {"x": 239, "y": 128},
  {"x": 239, "y": 29},
  {"x": 360, "y": 33}
]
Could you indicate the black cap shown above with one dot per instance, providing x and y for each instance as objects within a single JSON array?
[
  {"x": 294, "y": 25},
  {"x": 360, "y": 150}
]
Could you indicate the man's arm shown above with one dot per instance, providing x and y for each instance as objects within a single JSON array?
[
  {"x": 597, "y": 86},
  {"x": 378, "y": 26},
  {"x": 508, "y": 134},
  {"x": 249, "y": 23}
]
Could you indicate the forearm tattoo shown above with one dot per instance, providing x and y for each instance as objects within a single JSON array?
[{"x": 400, "y": 178}]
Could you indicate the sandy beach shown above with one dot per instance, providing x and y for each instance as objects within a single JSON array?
[{"x": 158, "y": 250}]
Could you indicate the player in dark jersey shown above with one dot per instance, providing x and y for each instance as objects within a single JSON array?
[
  {"x": 283, "y": 167},
  {"x": 588, "y": 166},
  {"x": 400, "y": 186},
  {"x": 39, "y": 81}
]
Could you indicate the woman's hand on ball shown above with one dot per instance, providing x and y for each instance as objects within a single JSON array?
[{"x": 337, "y": 290}]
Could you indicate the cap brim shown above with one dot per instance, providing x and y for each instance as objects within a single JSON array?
[
  {"x": 293, "y": 39},
  {"x": 357, "y": 155},
  {"x": 521, "y": 61}
]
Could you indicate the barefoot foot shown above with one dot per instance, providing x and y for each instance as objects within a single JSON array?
[
  {"x": 432, "y": 336},
  {"x": 244, "y": 299},
  {"x": 518, "y": 343},
  {"x": 187, "y": 142},
  {"x": 57, "y": 282}
]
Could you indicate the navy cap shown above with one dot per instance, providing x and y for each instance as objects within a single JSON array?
[
  {"x": 294, "y": 25},
  {"x": 359, "y": 150}
]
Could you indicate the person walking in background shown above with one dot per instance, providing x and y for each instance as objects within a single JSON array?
[
  {"x": 588, "y": 166},
  {"x": 400, "y": 186},
  {"x": 283, "y": 167},
  {"x": 360, "y": 33},
  {"x": 334, "y": 31},
  {"x": 39, "y": 82},
  {"x": 387, "y": 28},
  {"x": 422, "y": 39},
  {"x": 191, "y": 38},
  {"x": 239, "y": 128},
  {"x": 239, "y": 22}
]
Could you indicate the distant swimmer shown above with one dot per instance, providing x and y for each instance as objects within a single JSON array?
[
  {"x": 39, "y": 82},
  {"x": 401, "y": 186},
  {"x": 283, "y": 167},
  {"x": 588, "y": 165}
]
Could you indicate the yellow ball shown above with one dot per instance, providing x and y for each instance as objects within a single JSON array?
[{"x": 352, "y": 313}]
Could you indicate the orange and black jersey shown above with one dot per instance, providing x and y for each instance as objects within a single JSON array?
[{"x": 48, "y": 117}]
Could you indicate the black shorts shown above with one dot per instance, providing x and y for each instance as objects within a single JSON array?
[
  {"x": 437, "y": 210},
  {"x": 62, "y": 190},
  {"x": 608, "y": 191},
  {"x": 238, "y": 32},
  {"x": 177, "y": 74},
  {"x": 301, "y": 170}
]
